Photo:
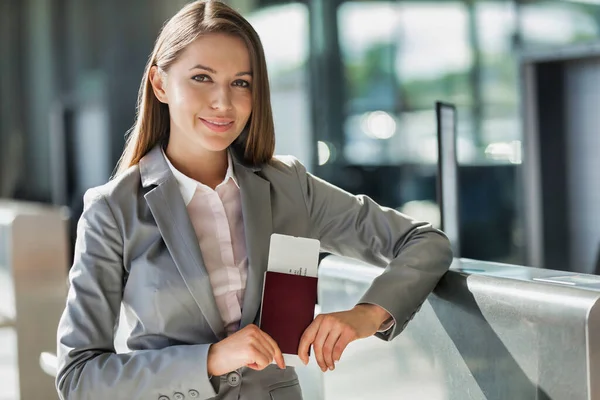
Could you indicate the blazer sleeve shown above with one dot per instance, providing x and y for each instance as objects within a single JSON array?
[
  {"x": 414, "y": 254},
  {"x": 88, "y": 366}
]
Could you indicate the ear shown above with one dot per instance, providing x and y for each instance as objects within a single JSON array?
[{"x": 158, "y": 81}]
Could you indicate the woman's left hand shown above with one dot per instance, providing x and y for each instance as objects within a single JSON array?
[{"x": 329, "y": 334}]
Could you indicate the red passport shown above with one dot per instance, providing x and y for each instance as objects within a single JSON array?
[{"x": 288, "y": 308}]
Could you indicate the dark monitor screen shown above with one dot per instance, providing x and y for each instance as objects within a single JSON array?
[{"x": 448, "y": 173}]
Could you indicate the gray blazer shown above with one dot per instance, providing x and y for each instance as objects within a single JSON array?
[{"x": 136, "y": 247}]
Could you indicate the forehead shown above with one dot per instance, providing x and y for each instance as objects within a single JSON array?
[{"x": 218, "y": 51}]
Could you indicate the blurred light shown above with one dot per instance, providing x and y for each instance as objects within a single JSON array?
[
  {"x": 423, "y": 210},
  {"x": 378, "y": 125},
  {"x": 505, "y": 151},
  {"x": 427, "y": 149},
  {"x": 283, "y": 31},
  {"x": 595, "y": 2},
  {"x": 324, "y": 152},
  {"x": 365, "y": 152}
]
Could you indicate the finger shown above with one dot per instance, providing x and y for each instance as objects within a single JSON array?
[
  {"x": 328, "y": 347},
  {"x": 318, "y": 347},
  {"x": 308, "y": 338},
  {"x": 277, "y": 354},
  {"x": 253, "y": 366},
  {"x": 261, "y": 355},
  {"x": 343, "y": 342}
]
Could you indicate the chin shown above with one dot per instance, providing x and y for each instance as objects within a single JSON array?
[{"x": 216, "y": 144}]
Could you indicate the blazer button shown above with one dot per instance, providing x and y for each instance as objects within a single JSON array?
[
  {"x": 194, "y": 394},
  {"x": 163, "y": 398},
  {"x": 233, "y": 379},
  {"x": 178, "y": 396}
]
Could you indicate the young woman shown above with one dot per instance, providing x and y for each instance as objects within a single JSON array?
[{"x": 180, "y": 236}]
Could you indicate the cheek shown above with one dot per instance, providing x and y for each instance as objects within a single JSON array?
[
  {"x": 243, "y": 104},
  {"x": 186, "y": 99}
]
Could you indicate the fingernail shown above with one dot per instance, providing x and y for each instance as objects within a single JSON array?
[{"x": 331, "y": 368}]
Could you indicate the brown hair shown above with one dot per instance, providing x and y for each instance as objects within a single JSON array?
[{"x": 151, "y": 127}]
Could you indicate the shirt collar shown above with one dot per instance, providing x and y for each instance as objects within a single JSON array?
[{"x": 188, "y": 186}]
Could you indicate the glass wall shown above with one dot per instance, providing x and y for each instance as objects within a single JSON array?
[
  {"x": 550, "y": 24},
  {"x": 395, "y": 59},
  {"x": 283, "y": 30}
]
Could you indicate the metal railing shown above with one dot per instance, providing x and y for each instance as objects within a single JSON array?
[{"x": 488, "y": 332}]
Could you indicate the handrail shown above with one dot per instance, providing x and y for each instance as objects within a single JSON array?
[{"x": 489, "y": 330}]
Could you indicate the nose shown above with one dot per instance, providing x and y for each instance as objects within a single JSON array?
[{"x": 221, "y": 99}]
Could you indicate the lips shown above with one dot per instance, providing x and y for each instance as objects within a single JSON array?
[
  {"x": 218, "y": 121},
  {"x": 218, "y": 124}
]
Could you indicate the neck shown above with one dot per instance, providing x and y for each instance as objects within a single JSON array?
[{"x": 206, "y": 167}]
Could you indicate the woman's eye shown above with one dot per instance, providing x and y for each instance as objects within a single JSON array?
[
  {"x": 241, "y": 83},
  {"x": 201, "y": 78}
]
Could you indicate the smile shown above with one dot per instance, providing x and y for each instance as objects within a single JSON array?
[{"x": 217, "y": 126}]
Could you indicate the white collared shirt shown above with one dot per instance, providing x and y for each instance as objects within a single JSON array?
[{"x": 217, "y": 219}]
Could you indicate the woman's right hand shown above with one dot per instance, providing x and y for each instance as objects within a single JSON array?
[{"x": 249, "y": 347}]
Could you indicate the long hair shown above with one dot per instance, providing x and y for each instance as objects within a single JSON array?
[{"x": 257, "y": 141}]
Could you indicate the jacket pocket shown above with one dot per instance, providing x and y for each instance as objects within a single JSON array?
[{"x": 286, "y": 391}]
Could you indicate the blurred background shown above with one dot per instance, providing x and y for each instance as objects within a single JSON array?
[
  {"x": 353, "y": 91},
  {"x": 354, "y": 86}
]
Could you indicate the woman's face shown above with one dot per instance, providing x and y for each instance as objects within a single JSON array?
[{"x": 209, "y": 92}]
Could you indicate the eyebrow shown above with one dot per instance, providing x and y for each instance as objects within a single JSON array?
[{"x": 199, "y": 66}]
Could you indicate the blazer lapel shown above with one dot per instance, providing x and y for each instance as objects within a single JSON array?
[
  {"x": 172, "y": 219},
  {"x": 256, "y": 211}
]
